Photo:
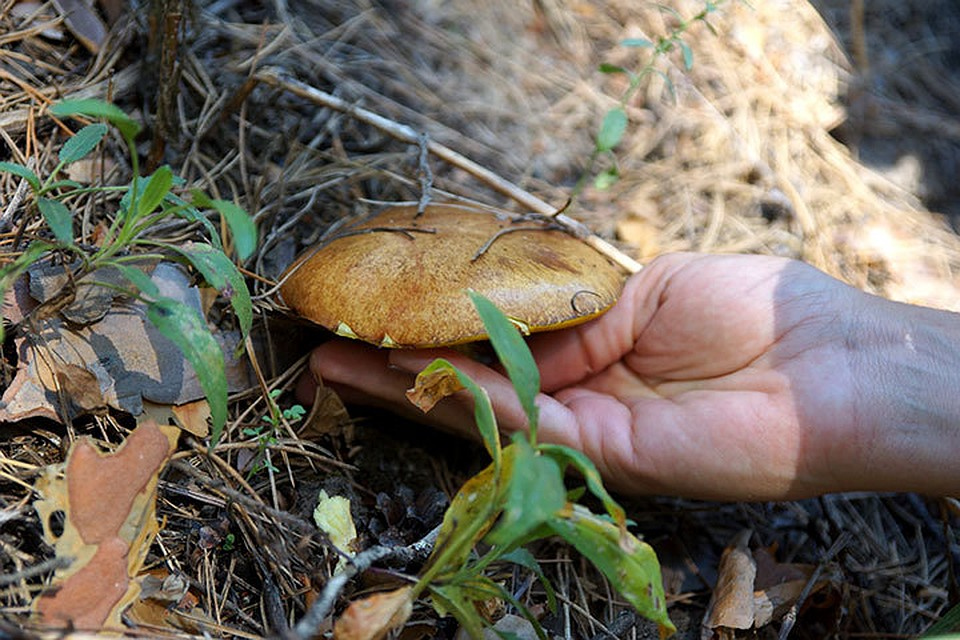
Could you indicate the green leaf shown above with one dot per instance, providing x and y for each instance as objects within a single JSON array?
[
  {"x": 58, "y": 218},
  {"x": 687, "y": 55},
  {"x": 23, "y": 172},
  {"x": 630, "y": 564},
  {"x": 156, "y": 189},
  {"x": 139, "y": 279},
  {"x": 99, "y": 109},
  {"x": 535, "y": 491},
  {"x": 612, "y": 129},
  {"x": 82, "y": 143},
  {"x": 59, "y": 184},
  {"x": 183, "y": 209},
  {"x": 606, "y": 67},
  {"x": 13, "y": 270},
  {"x": 221, "y": 274},
  {"x": 584, "y": 465},
  {"x": 241, "y": 226},
  {"x": 457, "y": 600},
  {"x": 637, "y": 42},
  {"x": 472, "y": 512},
  {"x": 525, "y": 559},
  {"x": 606, "y": 179},
  {"x": 200, "y": 199},
  {"x": 491, "y": 589},
  {"x": 513, "y": 354},
  {"x": 185, "y": 327}
]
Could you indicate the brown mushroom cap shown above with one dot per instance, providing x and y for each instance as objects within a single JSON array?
[{"x": 400, "y": 280}]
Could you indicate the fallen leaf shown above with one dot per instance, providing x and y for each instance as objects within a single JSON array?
[
  {"x": 374, "y": 616},
  {"x": 130, "y": 359},
  {"x": 332, "y": 516},
  {"x": 328, "y": 416},
  {"x": 731, "y": 605},
  {"x": 48, "y": 25},
  {"x": 83, "y": 22},
  {"x": 433, "y": 386},
  {"x": 109, "y": 506},
  {"x": 81, "y": 386}
]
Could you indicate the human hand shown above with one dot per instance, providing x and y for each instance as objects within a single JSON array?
[{"x": 730, "y": 377}]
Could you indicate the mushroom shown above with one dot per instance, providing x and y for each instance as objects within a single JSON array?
[{"x": 399, "y": 279}]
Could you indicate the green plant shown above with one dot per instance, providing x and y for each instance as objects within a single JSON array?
[
  {"x": 266, "y": 434},
  {"x": 519, "y": 498},
  {"x": 614, "y": 123},
  {"x": 127, "y": 246}
]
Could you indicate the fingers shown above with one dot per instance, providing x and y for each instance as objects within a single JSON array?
[{"x": 568, "y": 356}]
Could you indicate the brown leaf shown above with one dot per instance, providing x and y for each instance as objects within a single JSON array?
[
  {"x": 328, "y": 415},
  {"x": 108, "y": 502},
  {"x": 83, "y": 22},
  {"x": 81, "y": 386},
  {"x": 129, "y": 357},
  {"x": 374, "y": 616},
  {"x": 731, "y": 605},
  {"x": 432, "y": 387}
]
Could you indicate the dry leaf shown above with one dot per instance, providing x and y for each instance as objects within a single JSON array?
[
  {"x": 332, "y": 516},
  {"x": 373, "y": 617},
  {"x": 731, "y": 606},
  {"x": 38, "y": 19},
  {"x": 81, "y": 387},
  {"x": 130, "y": 359},
  {"x": 83, "y": 22},
  {"x": 91, "y": 169},
  {"x": 432, "y": 387},
  {"x": 328, "y": 416},
  {"x": 108, "y": 503}
]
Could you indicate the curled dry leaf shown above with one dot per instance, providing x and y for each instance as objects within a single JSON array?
[
  {"x": 375, "y": 616},
  {"x": 433, "y": 386},
  {"x": 731, "y": 606},
  {"x": 108, "y": 502}
]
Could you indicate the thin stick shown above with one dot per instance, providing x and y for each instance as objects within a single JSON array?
[{"x": 405, "y": 133}]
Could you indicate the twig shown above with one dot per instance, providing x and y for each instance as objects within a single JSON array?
[
  {"x": 790, "y": 618},
  {"x": 309, "y": 625},
  {"x": 409, "y": 135},
  {"x": 14, "y": 203}
]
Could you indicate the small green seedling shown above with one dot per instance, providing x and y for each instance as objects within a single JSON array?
[
  {"x": 146, "y": 201},
  {"x": 614, "y": 124},
  {"x": 519, "y": 498},
  {"x": 266, "y": 434}
]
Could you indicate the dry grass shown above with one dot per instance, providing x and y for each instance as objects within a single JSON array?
[{"x": 734, "y": 155}]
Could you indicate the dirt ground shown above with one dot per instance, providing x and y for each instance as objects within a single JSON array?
[{"x": 794, "y": 132}]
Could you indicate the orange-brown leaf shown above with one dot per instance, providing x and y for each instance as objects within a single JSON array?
[
  {"x": 433, "y": 386},
  {"x": 373, "y": 617}
]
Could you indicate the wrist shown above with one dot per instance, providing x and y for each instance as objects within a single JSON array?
[{"x": 906, "y": 365}]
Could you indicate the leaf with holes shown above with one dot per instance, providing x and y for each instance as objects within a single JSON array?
[{"x": 630, "y": 564}]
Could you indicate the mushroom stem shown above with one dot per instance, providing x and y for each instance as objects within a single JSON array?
[{"x": 405, "y": 133}]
